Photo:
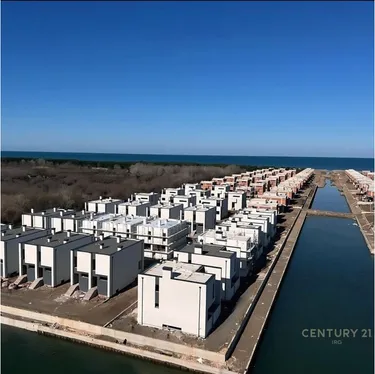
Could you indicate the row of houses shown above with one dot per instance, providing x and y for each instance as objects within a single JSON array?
[
  {"x": 364, "y": 184},
  {"x": 103, "y": 248}
]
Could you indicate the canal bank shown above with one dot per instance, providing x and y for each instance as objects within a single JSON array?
[{"x": 328, "y": 285}]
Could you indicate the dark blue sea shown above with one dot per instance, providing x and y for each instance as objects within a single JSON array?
[{"x": 328, "y": 163}]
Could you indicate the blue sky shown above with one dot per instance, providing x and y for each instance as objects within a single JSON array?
[{"x": 220, "y": 78}]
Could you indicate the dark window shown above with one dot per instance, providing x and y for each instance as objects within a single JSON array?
[
  {"x": 218, "y": 203},
  {"x": 213, "y": 290},
  {"x": 75, "y": 260},
  {"x": 93, "y": 264},
  {"x": 140, "y": 265},
  {"x": 157, "y": 292}
]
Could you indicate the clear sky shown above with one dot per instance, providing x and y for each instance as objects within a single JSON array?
[{"x": 219, "y": 78}]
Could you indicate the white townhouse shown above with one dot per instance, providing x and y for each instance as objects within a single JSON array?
[
  {"x": 162, "y": 236},
  {"x": 199, "y": 194},
  {"x": 180, "y": 297},
  {"x": 42, "y": 220},
  {"x": 135, "y": 208},
  {"x": 253, "y": 231},
  {"x": 220, "y": 204},
  {"x": 257, "y": 219},
  {"x": 48, "y": 257},
  {"x": 236, "y": 200},
  {"x": 167, "y": 194},
  {"x": 220, "y": 191},
  {"x": 242, "y": 245},
  {"x": 185, "y": 200},
  {"x": 69, "y": 220},
  {"x": 110, "y": 264},
  {"x": 10, "y": 240},
  {"x": 270, "y": 213},
  {"x": 167, "y": 211},
  {"x": 200, "y": 217},
  {"x": 125, "y": 226},
  {"x": 147, "y": 197},
  {"x": 216, "y": 260},
  {"x": 94, "y": 224},
  {"x": 189, "y": 187},
  {"x": 103, "y": 205}
]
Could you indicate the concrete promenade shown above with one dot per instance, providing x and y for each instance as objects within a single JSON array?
[{"x": 250, "y": 338}]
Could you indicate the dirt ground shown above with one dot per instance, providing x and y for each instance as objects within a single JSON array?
[{"x": 53, "y": 301}]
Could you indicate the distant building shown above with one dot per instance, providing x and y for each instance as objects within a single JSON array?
[
  {"x": 180, "y": 297},
  {"x": 236, "y": 200},
  {"x": 42, "y": 220},
  {"x": 110, "y": 264},
  {"x": 200, "y": 217},
  {"x": 167, "y": 211},
  {"x": 135, "y": 208},
  {"x": 162, "y": 236},
  {"x": 220, "y": 204},
  {"x": 147, "y": 197},
  {"x": 10, "y": 240},
  {"x": 185, "y": 200},
  {"x": 107, "y": 205},
  {"x": 69, "y": 220}
]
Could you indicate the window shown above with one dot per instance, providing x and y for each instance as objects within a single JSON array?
[
  {"x": 140, "y": 265},
  {"x": 93, "y": 263},
  {"x": 213, "y": 290},
  {"x": 75, "y": 260},
  {"x": 218, "y": 203},
  {"x": 156, "y": 292}
]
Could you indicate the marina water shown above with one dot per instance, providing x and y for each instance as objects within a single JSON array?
[{"x": 328, "y": 285}]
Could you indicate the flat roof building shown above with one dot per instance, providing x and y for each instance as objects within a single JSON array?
[
  {"x": 9, "y": 246},
  {"x": 147, "y": 197},
  {"x": 110, "y": 264},
  {"x": 69, "y": 220},
  {"x": 42, "y": 220},
  {"x": 167, "y": 211},
  {"x": 135, "y": 208},
  {"x": 200, "y": 217},
  {"x": 220, "y": 204},
  {"x": 48, "y": 257},
  {"x": 103, "y": 205},
  {"x": 178, "y": 296},
  {"x": 216, "y": 260},
  {"x": 162, "y": 236},
  {"x": 239, "y": 243},
  {"x": 236, "y": 200},
  {"x": 185, "y": 200}
]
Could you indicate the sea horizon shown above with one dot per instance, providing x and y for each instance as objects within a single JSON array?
[{"x": 319, "y": 162}]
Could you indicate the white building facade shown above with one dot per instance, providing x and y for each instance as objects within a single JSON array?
[{"x": 178, "y": 296}]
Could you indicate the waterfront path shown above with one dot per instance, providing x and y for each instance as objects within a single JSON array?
[{"x": 245, "y": 349}]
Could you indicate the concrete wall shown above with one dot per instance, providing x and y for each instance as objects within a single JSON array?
[{"x": 139, "y": 352}]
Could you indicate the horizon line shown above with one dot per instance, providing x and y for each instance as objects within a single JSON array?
[{"x": 202, "y": 155}]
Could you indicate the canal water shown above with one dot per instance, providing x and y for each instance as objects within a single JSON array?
[
  {"x": 329, "y": 198},
  {"x": 329, "y": 284}
]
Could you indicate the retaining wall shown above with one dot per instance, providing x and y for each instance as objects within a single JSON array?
[
  {"x": 191, "y": 365},
  {"x": 139, "y": 340}
]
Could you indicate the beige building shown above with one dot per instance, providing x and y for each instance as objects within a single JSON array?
[
  {"x": 107, "y": 205},
  {"x": 200, "y": 217}
]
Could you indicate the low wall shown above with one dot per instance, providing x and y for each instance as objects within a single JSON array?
[
  {"x": 139, "y": 340},
  {"x": 35, "y": 327}
]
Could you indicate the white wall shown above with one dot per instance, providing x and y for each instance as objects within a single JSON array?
[
  {"x": 174, "y": 310},
  {"x": 57, "y": 223},
  {"x": 125, "y": 266}
]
